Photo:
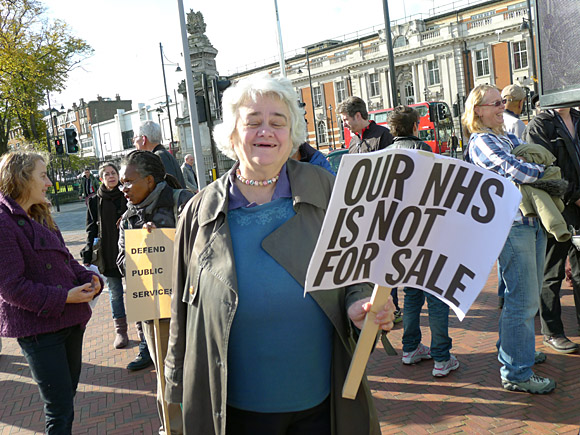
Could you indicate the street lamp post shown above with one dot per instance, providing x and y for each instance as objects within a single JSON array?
[
  {"x": 331, "y": 126},
  {"x": 528, "y": 24},
  {"x": 159, "y": 111},
  {"x": 49, "y": 140},
  {"x": 167, "y": 95},
  {"x": 389, "y": 41},
  {"x": 311, "y": 98}
]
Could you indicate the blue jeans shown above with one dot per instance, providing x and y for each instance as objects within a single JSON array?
[
  {"x": 500, "y": 282},
  {"x": 55, "y": 365},
  {"x": 438, "y": 323},
  {"x": 522, "y": 265},
  {"x": 116, "y": 296}
]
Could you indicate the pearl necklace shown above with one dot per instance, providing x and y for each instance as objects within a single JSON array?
[{"x": 256, "y": 182}]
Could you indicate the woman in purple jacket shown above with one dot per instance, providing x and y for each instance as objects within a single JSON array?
[{"x": 44, "y": 291}]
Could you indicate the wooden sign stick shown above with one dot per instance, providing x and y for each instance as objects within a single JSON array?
[
  {"x": 161, "y": 374},
  {"x": 365, "y": 343}
]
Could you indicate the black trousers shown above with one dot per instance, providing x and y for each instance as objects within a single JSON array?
[
  {"x": 313, "y": 421},
  {"x": 554, "y": 274},
  {"x": 55, "y": 364}
]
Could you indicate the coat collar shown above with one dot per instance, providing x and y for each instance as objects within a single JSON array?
[
  {"x": 215, "y": 199},
  {"x": 12, "y": 206}
]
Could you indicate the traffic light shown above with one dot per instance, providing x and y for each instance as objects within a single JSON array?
[
  {"x": 442, "y": 112},
  {"x": 220, "y": 86},
  {"x": 70, "y": 139},
  {"x": 200, "y": 105},
  {"x": 58, "y": 148}
]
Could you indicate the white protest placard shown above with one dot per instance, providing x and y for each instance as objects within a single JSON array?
[
  {"x": 412, "y": 218},
  {"x": 148, "y": 268}
]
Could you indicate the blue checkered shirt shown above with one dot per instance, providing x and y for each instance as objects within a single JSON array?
[{"x": 489, "y": 151}]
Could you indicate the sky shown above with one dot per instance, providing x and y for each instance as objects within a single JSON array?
[{"x": 125, "y": 36}]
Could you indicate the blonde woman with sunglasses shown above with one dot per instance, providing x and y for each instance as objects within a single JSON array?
[{"x": 522, "y": 258}]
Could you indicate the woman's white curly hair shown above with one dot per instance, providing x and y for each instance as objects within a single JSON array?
[{"x": 249, "y": 90}]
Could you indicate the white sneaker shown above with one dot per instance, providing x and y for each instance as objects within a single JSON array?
[
  {"x": 422, "y": 352},
  {"x": 442, "y": 368}
]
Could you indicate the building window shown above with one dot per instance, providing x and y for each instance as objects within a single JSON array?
[
  {"x": 317, "y": 95},
  {"x": 374, "y": 86},
  {"x": 481, "y": 63},
  {"x": 321, "y": 132},
  {"x": 340, "y": 91},
  {"x": 127, "y": 137},
  {"x": 400, "y": 41},
  {"x": 84, "y": 126},
  {"x": 433, "y": 67},
  {"x": 520, "y": 55},
  {"x": 409, "y": 93}
]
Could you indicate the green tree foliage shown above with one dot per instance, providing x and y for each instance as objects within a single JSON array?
[{"x": 36, "y": 55}]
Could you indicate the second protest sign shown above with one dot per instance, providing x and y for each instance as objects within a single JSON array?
[{"x": 149, "y": 263}]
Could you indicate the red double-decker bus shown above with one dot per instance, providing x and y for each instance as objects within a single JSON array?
[{"x": 435, "y": 124}]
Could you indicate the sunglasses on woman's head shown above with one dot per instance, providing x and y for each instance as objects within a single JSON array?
[{"x": 495, "y": 103}]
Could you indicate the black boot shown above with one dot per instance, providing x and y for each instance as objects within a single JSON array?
[{"x": 143, "y": 359}]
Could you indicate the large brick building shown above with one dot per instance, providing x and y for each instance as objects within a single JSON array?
[{"x": 437, "y": 58}]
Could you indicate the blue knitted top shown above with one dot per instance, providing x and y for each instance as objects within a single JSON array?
[{"x": 279, "y": 355}]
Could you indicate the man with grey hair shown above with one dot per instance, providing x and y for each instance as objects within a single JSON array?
[
  {"x": 189, "y": 174},
  {"x": 515, "y": 97},
  {"x": 148, "y": 138}
]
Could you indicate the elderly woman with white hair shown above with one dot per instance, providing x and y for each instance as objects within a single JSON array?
[{"x": 248, "y": 353}]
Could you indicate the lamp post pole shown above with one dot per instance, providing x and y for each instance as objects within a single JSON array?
[
  {"x": 311, "y": 98},
  {"x": 49, "y": 140},
  {"x": 195, "y": 135},
  {"x": 390, "y": 51},
  {"x": 331, "y": 125},
  {"x": 280, "y": 47},
  {"x": 531, "y": 32},
  {"x": 166, "y": 99}
]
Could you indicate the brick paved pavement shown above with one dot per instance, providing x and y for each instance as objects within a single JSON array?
[{"x": 409, "y": 400}]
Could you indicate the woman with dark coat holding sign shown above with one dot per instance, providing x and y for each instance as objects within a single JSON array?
[
  {"x": 151, "y": 204},
  {"x": 248, "y": 353},
  {"x": 522, "y": 257},
  {"x": 103, "y": 213}
]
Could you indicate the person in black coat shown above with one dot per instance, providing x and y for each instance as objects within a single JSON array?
[
  {"x": 103, "y": 213},
  {"x": 404, "y": 123},
  {"x": 558, "y": 131},
  {"x": 154, "y": 201},
  {"x": 149, "y": 139}
]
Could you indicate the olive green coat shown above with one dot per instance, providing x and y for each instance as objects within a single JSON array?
[{"x": 205, "y": 299}]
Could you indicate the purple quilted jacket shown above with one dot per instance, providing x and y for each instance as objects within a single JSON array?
[{"x": 36, "y": 273}]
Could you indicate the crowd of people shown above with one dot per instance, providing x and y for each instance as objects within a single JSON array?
[{"x": 234, "y": 327}]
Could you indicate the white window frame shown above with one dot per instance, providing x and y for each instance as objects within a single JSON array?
[
  {"x": 481, "y": 63},
  {"x": 409, "y": 92},
  {"x": 433, "y": 71},
  {"x": 340, "y": 91},
  {"x": 374, "y": 85},
  {"x": 322, "y": 133},
  {"x": 520, "y": 55},
  {"x": 317, "y": 96}
]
